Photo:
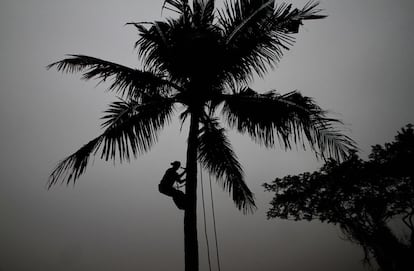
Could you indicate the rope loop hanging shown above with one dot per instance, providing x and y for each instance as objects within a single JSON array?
[
  {"x": 205, "y": 221},
  {"x": 214, "y": 224}
]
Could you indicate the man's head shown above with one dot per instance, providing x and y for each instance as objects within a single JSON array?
[{"x": 176, "y": 164}]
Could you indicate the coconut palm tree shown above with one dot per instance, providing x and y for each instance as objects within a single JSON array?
[{"x": 203, "y": 59}]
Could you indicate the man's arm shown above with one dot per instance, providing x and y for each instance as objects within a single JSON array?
[{"x": 179, "y": 180}]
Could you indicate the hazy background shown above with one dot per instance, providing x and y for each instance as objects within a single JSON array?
[{"x": 357, "y": 63}]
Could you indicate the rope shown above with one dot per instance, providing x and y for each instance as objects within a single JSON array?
[
  {"x": 205, "y": 220},
  {"x": 214, "y": 223}
]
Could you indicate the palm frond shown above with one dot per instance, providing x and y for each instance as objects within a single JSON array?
[
  {"x": 160, "y": 46},
  {"x": 179, "y": 6},
  {"x": 311, "y": 12},
  {"x": 74, "y": 165},
  {"x": 216, "y": 156},
  {"x": 203, "y": 12},
  {"x": 253, "y": 13},
  {"x": 290, "y": 118},
  {"x": 288, "y": 19},
  {"x": 258, "y": 32},
  {"x": 132, "y": 128},
  {"x": 327, "y": 140},
  {"x": 190, "y": 51},
  {"x": 252, "y": 43},
  {"x": 155, "y": 53},
  {"x": 126, "y": 81}
]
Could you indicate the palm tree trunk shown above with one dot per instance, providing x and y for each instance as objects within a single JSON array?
[{"x": 190, "y": 212}]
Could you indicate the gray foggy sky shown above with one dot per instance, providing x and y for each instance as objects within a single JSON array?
[{"x": 356, "y": 63}]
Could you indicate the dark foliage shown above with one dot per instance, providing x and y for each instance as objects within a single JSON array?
[
  {"x": 289, "y": 119},
  {"x": 362, "y": 197},
  {"x": 201, "y": 60},
  {"x": 198, "y": 59},
  {"x": 216, "y": 155}
]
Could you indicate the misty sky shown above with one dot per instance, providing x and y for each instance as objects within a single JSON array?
[{"x": 357, "y": 63}]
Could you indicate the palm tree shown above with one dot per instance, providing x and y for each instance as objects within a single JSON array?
[{"x": 204, "y": 60}]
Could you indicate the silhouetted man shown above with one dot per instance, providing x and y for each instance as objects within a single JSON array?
[{"x": 166, "y": 185}]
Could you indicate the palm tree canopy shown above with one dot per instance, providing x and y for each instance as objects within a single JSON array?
[{"x": 204, "y": 59}]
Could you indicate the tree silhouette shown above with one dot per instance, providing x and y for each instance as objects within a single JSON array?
[
  {"x": 362, "y": 197},
  {"x": 204, "y": 59}
]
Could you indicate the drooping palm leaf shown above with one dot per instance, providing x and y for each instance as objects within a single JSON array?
[
  {"x": 126, "y": 81},
  {"x": 289, "y": 118},
  {"x": 216, "y": 155},
  {"x": 327, "y": 140},
  {"x": 131, "y": 129},
  {"x": 134, "y": 126},
  {"x": 75, "y": 165}
]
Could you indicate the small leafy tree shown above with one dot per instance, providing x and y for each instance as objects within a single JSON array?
[{"x": 362, "y": 197}]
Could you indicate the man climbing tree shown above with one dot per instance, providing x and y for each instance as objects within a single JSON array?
[{"x": 166, "y": 185}]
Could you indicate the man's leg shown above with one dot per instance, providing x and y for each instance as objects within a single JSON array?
[
  {"x": 166, "y": 190},
  {"x": 178, "y": 196},
  {"x": 179, "y": 199}
]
